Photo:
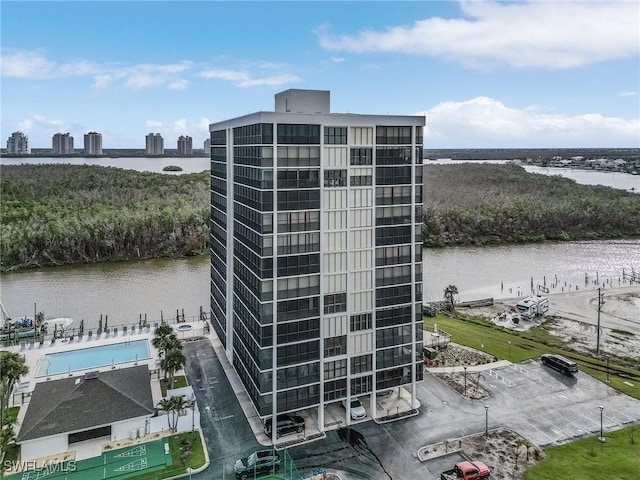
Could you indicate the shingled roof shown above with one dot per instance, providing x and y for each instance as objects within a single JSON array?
[{"x": 81, "y": 403}]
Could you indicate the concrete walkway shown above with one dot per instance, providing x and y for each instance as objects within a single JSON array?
[{"x": 470, "y": 369}]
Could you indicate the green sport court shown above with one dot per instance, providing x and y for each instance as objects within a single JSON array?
[{"x": 113, "y": 464}]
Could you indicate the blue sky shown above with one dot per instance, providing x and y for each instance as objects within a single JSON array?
[{"x": 486, "y": 74}]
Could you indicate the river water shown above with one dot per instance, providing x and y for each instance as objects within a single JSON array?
[{"x": 123, "y": 291}]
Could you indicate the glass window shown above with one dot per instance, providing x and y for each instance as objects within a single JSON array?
[
  {"x": 298, "y": 134},
  {"x": 361, "y": 321},
  {"x": 361, "y": 156},
  {"x": 334, "y": 346},
  {"x": 335, "y": 135},
  {"x": 335, "y": 178},
  {"x": 335, "y": 303},
  {"x": 335, "y": 369},
  {"x": 361, "y": 364}
]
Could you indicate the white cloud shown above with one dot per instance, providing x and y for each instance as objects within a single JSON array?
[
  {"x": 36, "y": 121},
  {"x": 548, "y": 34},
  {"x": 146, "y": 75},
  {"x": 202, "y": 124},
  {"x": 484, "y": 122},
  {"x": 180, "y": 126},
  {"x": 247, "y": 80},
  {"x": 157, "y": 124},
  {"x": 628, "y": 94},
  {"x": 28, "y": 64},
  {"x": 34, "y": 65}
]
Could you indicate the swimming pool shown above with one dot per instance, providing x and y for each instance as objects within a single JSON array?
[{"x": 101, "y": 356}]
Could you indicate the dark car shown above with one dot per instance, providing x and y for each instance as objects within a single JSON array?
[
  {"x": 287, "y": 424},
  {"x": 560, "y": 363},
  {"x": 258, "y": 463}
]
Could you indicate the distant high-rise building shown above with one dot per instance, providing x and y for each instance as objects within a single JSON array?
[
  {"x": 18, "y": 144},
  {"x": 93, "y": 143},
  {"x": 185, "y": 145},
  {"x": 155, "y": 144},
  {"x": 316, "y": 253},
  {"x": 207, "y": 147},
  {"x": 62, "y": 144}
]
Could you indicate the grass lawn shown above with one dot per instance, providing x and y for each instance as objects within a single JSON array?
[
  {"x": 178, "y": 382},
  {"x": 195, "y": 460},
  {"x": 616, "y": 459},
  {"x": 484, "y": 335}
]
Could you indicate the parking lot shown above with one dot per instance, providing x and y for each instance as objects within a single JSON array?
[
  {"x": 550, "y": 408},
  {"x": 540, "y": 404}
]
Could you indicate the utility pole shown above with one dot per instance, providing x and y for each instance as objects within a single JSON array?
[{"x": 600, "y": 302}]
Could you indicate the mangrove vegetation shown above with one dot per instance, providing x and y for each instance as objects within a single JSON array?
[
  {"x": 480, "y": 203},
  {"x": 57, "y": 214}
]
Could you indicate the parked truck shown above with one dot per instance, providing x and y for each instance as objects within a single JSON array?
[
  {"x": 466, "y": 471},
  {"x": 530, "y": 307}
]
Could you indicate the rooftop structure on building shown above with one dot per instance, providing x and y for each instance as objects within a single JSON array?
[
  {"x": 316, "y": 252},
  {"x": 154, "y": 144},
  {"x": 93, "y": 143},
  {"x": 62, "y": 144},
  {"x": 18, "y": 144}
]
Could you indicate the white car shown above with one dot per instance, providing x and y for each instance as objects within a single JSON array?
[{"x": 357, "y": 410}]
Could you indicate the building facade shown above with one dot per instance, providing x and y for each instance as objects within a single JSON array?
[
  {"x": 316, "y": 270},
  {"x": 18, "y": 144},
  {"x": 62, "y": 144},
  {"x": 154, "y": 144},
  {"x": 185, "y": 145},
  {"x": 93, "y": 143}
]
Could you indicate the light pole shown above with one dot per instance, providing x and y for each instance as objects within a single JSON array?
[
  {"x": 509, "y": 349},
  {"x": 601, "y": 439},
  {"x": 607, "y": 368},
  {"x": 465, "y": 380},
  {"x": 193, "y": 413},
  {"x": 486, "y": 420}
]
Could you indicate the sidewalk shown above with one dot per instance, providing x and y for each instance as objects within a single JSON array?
[{"x": 470, "y": 368}]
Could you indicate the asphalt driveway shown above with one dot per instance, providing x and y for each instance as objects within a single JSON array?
[{"x": 539, "y": 403}]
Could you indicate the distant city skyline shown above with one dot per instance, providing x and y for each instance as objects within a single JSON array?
[{"x": 527, "y": 74}]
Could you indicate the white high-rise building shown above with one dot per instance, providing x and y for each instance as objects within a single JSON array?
[
  {"x": 316, "y": 248},
  {"x": 93, "y": 143},
  {"x": 154, "y": 144},
  {"x": 18, "y": 144},
  {"x": 185, "y": 145},
  {"x": 62, "y": 144}
]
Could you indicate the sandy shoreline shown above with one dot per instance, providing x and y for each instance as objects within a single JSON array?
[{"x": 573, "y": 316}]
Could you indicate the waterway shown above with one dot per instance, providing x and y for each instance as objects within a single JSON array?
[{"x": 163, "y": 288}]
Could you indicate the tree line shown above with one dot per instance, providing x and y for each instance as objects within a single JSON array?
[
  {"x": 479, "y": 204},
  {"x": 57, "y": 214}
]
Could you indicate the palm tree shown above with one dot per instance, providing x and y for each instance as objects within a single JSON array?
[
  {"x": 166, "y": 406},
  {"x": 172, "y": 406},
  {"x": 449, "y": 295},
  {"x": 179, "y": 404},
  {"x": 172, "y": 362},
  {"x": 12, "y": 367},
  {"x": 164, "y": 339}
]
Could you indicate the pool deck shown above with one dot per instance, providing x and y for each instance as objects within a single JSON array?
[{"x": 34, "y": 354}]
